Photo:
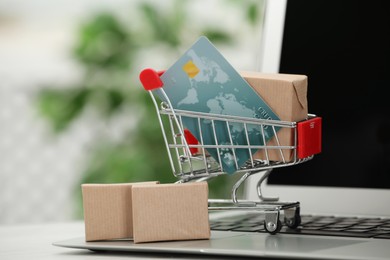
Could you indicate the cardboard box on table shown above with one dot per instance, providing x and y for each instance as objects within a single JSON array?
[
  {"x": 286, "y": 94},
  {"x": 146, "y": 211},
  {"x": 171, "y": 212}
]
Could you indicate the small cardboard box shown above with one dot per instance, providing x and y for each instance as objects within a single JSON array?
[
  {"x": 170, "y": 212},
  {"x": 146, "y": 212},
  {"x": 286, "y": 94},
  {"x": 108, "y": 210}
]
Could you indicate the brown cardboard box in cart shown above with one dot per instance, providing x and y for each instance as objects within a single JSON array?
[{"x": 286, "y": 94}]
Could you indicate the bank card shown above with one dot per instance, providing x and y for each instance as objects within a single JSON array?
[{"x": 202, "y": 80}]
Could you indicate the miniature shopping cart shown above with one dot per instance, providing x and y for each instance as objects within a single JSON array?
[{"x": 191, "y": 161}]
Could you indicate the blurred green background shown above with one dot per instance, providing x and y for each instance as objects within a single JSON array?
[{"x": 111, "y": 50}]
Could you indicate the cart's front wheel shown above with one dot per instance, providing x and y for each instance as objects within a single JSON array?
[
  {"x": 272, "y": 227},
  {"x": 292, "y": 217},
  {"x": 293, "y": 222}
]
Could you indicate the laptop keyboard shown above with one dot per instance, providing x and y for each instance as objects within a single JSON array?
[{"x": 310, "y": 225}]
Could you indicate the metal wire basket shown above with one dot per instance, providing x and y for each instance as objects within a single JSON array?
[{"x": 190, "y": 158}]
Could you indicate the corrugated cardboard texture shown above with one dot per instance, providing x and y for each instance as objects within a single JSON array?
[
  {"x": 170, "y": 212},
  {"x": 108, "y": 210},
  {"x": 286, "y": 94}
]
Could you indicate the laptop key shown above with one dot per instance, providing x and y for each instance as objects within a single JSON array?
[
  {"x": 337, "y": 229},
  {"x": 339, "y": 225},
  {"x": 362, "y": 226},
  {"x": 387, "y": 236},
  {"x": 315, "y": 224},
  {"x": 224, "y": 227},
  {"x": 326, "y": 233},
  {"x": 249, "y": 229},
  {"x": 358, "y": 230}
]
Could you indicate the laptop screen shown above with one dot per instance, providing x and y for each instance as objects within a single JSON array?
[{"x": 343, "y": 49}]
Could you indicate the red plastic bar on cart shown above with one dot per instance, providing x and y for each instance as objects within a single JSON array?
[
  {"x": 309, "y": 137},
  {"x": 150, "y": 78}
]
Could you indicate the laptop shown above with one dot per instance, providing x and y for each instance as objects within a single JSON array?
[{"x": 344, "y": 192}]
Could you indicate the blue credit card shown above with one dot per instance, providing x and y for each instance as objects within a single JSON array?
[{"x": 202, "y": 80}]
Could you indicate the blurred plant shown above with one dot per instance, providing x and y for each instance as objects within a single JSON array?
[{"x": 107, "y": 51}]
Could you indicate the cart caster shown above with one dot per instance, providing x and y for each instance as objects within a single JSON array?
[
  {"x": 272, "y": 223},
  {"x": 292, "y": 217},
  {"x": 273, "y": 228}
]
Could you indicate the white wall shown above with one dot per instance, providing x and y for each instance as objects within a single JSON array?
[{"x": 38, "y": 170}]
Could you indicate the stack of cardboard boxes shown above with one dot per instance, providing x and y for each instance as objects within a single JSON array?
[{"x": 146, "y": 211}]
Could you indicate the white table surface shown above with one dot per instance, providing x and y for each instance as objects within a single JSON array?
[{"x": 35, "y": 241}]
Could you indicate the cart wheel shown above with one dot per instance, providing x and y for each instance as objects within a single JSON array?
[
  {"x": 272, "y": 227},
  {"x": 295, "y": 220}
]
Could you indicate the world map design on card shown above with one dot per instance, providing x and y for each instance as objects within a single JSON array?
[{"x": 202, "y": 80}]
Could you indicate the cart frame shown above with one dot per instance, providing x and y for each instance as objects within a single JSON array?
[{"x": 190, "y": 160}]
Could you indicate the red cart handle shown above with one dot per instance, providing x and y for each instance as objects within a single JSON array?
[
  {"x": 309, "y": 137},
  {"x": 150, "y": 79}
]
